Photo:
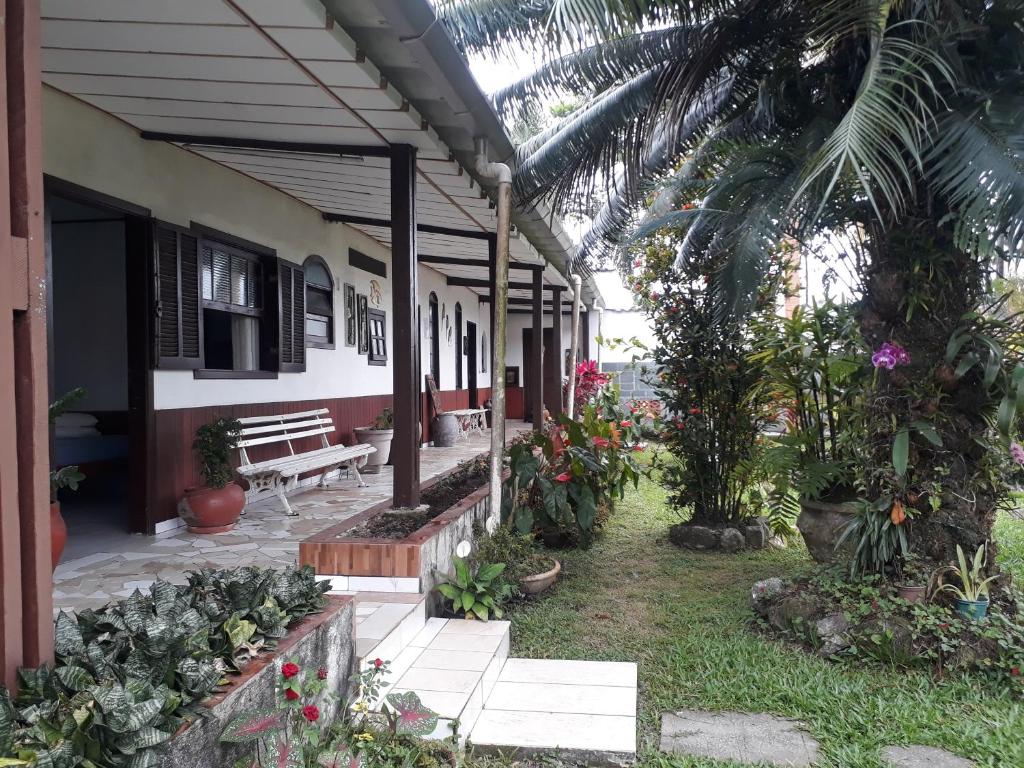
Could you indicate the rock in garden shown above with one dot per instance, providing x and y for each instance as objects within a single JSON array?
[
  {"x": 822, "y": 526},
  {"x": 693, "y": 536},
  {"x": 756, "y": 536},
  {"x": 832, "y": 632},
  {"x": 793, "y": 612},
  {"x": 760, "y": 738},
  {"x": 764, "y": 593},
  {"x": 922, "y": 757},
  {"x": 732, "y": 540}
]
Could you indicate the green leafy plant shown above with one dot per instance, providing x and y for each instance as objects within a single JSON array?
[
  {"x": 973, "y": 586},
  {"x": 880, "y": 537},
  {"x": 214, "y": 443},
  {"x": 477, "y": 593},
  {"x": 127, "y": 675},
  {"x": 385, "y": 420},
  {"x": 70, "y": 476}
]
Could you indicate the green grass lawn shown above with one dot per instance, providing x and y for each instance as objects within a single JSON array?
[{"x": 684, "y": 618}]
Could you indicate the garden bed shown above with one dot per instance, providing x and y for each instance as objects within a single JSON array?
[{"x": 407, "y": 548}]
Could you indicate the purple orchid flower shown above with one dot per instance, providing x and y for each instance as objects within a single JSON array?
[{"x": 890, "y": 355}]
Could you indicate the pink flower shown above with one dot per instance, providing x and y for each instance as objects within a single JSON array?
[
  {"x": 601, "y": 442},
  {"x": 1017, "y": 452},
  {"x": 890, "y": 355},
  {"x": 565, "y": 477}
]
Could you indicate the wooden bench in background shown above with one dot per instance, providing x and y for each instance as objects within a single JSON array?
[{"x": 281, "y": 475}]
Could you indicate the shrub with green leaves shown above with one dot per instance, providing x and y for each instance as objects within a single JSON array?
[
  {"x": 476, "y": 593},
  {"x": 129, "y": 674}
]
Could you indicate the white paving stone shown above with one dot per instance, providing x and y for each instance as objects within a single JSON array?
[
  {"x": 479, "y": 643},
  {"x": 386, "y": 618},
  {"x": 922, "y": 757},
  {"x": 447, "y": 704},
  {"x": 744, "y": 738},
  {"x": 548, "y": 730},
  {"x": 470, "y": 627},
  {"x": 453, "y": 680},
  {"x": 578, "y": 699},
  {"x": 433, "y": 658},
  {"x": 613, "y": 673},
  {"x": 426, "y": 635}
]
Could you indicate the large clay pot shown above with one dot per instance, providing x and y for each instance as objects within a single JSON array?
[
  {"x": 445, "y": 430},
  {"x": 379, "y": 439},
  {"x": 212, "y": 510},
  {"x": 822, "y": 525},
  {"x": 537, "y": 583},
  {"x": 58, "y": 533}
]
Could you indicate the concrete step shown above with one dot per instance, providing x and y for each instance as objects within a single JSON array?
[
  {"x": 386, "y": 622},
  {"x": 586, "y": 710},
  {"x": 452, "y": 665}
]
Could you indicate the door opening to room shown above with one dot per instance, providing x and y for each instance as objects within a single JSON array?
[{"x": 97, "y": 349}]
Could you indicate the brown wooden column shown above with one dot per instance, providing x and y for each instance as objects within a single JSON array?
[
  {"x": 26, "y": 613},
  {"x": 557, "y": 358},
  {"x": 405, "y": 453},
  {"x": 536, "y": 405}
]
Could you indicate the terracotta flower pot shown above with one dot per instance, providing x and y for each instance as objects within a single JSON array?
[
  {"x": 912, "y": 594},
  {"x": 58, "y": 533},
  {"x": 212, "y": 510},
  {"x": 537, "y": 583}
]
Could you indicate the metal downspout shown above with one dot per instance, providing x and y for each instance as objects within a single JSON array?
[
  {"x": 574, "y": 345},
  {"x": 501, "y": 174}
]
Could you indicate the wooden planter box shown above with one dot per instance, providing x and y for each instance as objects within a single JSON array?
[{"x": 394, "y": 565}]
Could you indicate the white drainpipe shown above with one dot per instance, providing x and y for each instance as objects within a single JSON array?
[
  {"x": 574, "y": 344},
  {"x": 500, "y": 174}
]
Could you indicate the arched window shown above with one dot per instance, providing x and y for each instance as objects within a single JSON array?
[
  {"x": 319, "y": 303},
  {"x": 434, "y": 338},
  {"x": 458, "y": 345}
]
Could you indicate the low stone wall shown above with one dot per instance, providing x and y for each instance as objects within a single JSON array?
[{"x": 322, "y": 640}]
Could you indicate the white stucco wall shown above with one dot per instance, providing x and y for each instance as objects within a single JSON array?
[
  {"x": 514, "y": 337},
  {"x": 88, "y": 147}
]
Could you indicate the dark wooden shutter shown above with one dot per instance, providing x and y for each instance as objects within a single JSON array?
[
  {"x": 291, "y": 317},
  {"x": 179, "y": 312}
]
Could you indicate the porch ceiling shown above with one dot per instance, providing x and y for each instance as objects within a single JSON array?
[{"x": 271, "y": 70}]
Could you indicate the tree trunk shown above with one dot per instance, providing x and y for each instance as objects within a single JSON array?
[{"x": 918, "y": 287}]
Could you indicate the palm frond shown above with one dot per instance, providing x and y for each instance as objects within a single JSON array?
[
  {"x": 882, "y": 136},
  {"x": 484, "y": 25},
  {"x": 596, "y": 68}
]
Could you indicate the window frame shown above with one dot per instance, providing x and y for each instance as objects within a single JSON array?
[
  {"x": 434, "y": 337},
  {"x": 330, "y": 340},
  {"x": 371, "y": 315}
]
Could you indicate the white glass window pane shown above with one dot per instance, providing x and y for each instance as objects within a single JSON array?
[
  {"x": 316, "y": 326},
  {"x": 317, "y": 275},
  {"x": 221, "y": 277},
  {"x": 207, "y": 275},
  {"x": 245, "y": 342}
]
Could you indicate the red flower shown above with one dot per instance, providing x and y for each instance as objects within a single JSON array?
[
  {"x": 289, "y": 670},
  {"x": 625, "y": 423},
  {"x": 695, "y": 411},
  {"x": 378, "y": 663},
  {"x": 311, "y": 713},
  {"x": 565, "y": 477},
  {"x": 1015, "y": 671},
  {"x": 322, "y": 673},
  {"x": 290, "y": 694},
  {"x": 638, "y": 449},
  {"x": 601, "y": 442}
]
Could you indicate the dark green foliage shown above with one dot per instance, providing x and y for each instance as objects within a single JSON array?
[
  {"x": 475, "y": 591},
  {"x": 129, "y": 674},
  {"x": 214, "y": 443}
]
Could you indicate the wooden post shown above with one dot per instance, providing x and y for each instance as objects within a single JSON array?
[
  {"x": 405, "y": 453},
  {"x": 557, "y": 362},
  {"x": 26, "y": 635},
  {"x": 536, "y": 404}
]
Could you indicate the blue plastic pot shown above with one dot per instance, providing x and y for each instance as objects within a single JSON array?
[{"x": 972, "y": 609}]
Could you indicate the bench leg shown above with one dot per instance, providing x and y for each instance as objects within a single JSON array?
[
  {"x": 323, "y": 477},
  {"x": 355, "y": 470},
  {"x": 280, "y": 488}
]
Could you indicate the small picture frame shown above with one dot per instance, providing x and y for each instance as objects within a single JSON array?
[
  {"x": 512, "y": 376},
  {"x": 350, "y": 315},
  {"x": 364, "y": 334}
]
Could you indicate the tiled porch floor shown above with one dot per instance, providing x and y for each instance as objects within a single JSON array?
[{"x": 120, "y": 563}]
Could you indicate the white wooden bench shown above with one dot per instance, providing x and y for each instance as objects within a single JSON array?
[
  {"x": 468, "y": 419},
  {"x": 282, "y": 474}
]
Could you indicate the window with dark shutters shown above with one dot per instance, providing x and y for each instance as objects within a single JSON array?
[
  {"x": 179, "y": 317},
  {"x": 292, "y": 317}
]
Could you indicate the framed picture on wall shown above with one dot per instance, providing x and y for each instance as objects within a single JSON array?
[
  {"x": 364, "y": 336},
  {"x": 512, "y": 376},
  {"x": 350, "y": 315}
]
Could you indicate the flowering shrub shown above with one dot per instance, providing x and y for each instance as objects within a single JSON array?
[{"x": 589, "y": 382}]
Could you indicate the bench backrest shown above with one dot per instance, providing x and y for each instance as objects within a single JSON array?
[{"x": 263, "y": 430}]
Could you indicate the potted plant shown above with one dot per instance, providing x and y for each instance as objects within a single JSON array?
[
  {"x": 215, "y": 506},
  {"x": 379, "y": 434},
  {"x": 971, "y": 597},
  {"x": 63, "y": 477},
  {"x": 542, "y": 573},
  {"x": 912, "y": 580}
]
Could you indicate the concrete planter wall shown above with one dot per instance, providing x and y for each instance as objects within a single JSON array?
[
  {"x": 394, "y": 565},
  {"x": 321, "y": 640}
]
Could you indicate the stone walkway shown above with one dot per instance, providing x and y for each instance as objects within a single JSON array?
[
  {"x": 119, "y": 563},
  {"x": 765, "y": 739}
]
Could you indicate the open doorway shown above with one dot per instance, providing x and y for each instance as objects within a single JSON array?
[{"x": 97, "y": 269}]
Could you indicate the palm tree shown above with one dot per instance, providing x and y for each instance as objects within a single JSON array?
[{"x": 894, "y": 127}]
